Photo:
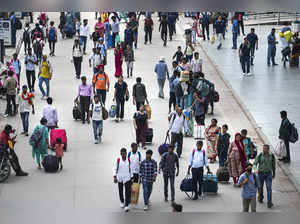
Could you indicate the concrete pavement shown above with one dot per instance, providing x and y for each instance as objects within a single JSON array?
[{"x": 86, "y": 181}]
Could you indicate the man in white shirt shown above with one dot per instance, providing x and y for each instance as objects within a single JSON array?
[
  {"x": 84, "y": 34},
  {"x": 177, "y": 122},
  {"x": 196, "y": 63},
  {"x": 50, "y": 113},
  {"x": 122, "y": 175},
  {"x": 115, "y": 29},
  {"x": 198, "y": 159},
  {"x": 96, "y": 59},
  {"x": 135, "y": 157},
  {"x": 24, "y": 105},
  {"x": 102, "y": 48},
  {"x": 97, "y": 119}
]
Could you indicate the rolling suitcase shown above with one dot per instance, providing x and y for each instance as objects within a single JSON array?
[
  {"x": 149, "y": 136},
  {"x": 223, "y": 174},
  {"x": 50, "y": 164},
  {"x": 210, "y": 183},
  {"x": 76, "y": 112},
  {"x": 58, "y": 133},
  {"x": 186, "y": 186}
]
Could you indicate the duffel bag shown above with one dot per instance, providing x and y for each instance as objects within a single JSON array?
[
  {"x": 50, "y": 164},
  {"x": 186, "y": 184},
  {"x": 163, "y": 148},
  {"x": 223, "y": 174}
]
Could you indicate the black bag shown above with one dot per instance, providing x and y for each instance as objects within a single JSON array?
[
  {"x": 286, "y": 51},
  {"x": 50, "y": 164},
  {"x": 149, "y": 135},
  {"x": 187, "y": 187},
  {"x": 223, "y": 174},
  {"x": 294, "y": 134},
  {"x": 216, "y": 96},
  {"x": 26, "y": 36},
  {"x": 76, "y": 112},
  {"x": 163, "y": 148},
  {"x": 18, "y": 24}
]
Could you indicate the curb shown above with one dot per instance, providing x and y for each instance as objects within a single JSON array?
[{"x": 249, "y": 116}]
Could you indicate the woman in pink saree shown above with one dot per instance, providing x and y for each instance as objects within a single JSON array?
[
  {"x": 118, "y": 61},
  {"x": 99, "y": 28}
]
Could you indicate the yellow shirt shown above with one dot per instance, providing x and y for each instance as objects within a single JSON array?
[{"x": 45, "y": 72}]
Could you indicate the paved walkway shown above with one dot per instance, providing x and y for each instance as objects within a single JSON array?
[
  {"x": 268, "y": 91},
  {"x": 85, "y": 184}
]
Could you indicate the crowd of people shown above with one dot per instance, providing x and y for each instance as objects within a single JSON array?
[{"x": 190, "y": 97}]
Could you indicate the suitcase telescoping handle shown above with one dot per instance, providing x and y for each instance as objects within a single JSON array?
[{"x": 167, "y": 139}]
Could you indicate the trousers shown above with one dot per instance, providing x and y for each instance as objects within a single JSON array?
[{"x": 127, "y": 186}]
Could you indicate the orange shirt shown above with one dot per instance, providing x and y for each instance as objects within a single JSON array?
[{"x": 100, "y": 81}]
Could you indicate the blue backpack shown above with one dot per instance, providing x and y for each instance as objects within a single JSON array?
[
  {"x": 140, "y": 156},
  {"x": 52, "y": 36}
]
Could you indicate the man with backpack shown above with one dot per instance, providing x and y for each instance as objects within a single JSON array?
[
  {"x": 45, "y": 75},
  {"x": 139, "y": 94},
  {"x": 197, "y": 161},
  {"x": 36, "y": 33},
  {"x": 101, "y": 84},
  {"x": 122, "y": 176},
  {"x": 30, "y": 62},
  {"x": 52, "y": 38},
  {"x": 135, "y": 158},
  {"x": 177, "y": 123},
  {"x": 205, "y": 24},
  {"x": 26, "y": 38},
  {"x": 266, "y": 172},
  {"x": 169, "y": 164}
]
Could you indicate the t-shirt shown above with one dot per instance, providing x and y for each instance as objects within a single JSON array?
[
  {"x": 100, "y": 81},
  {"x": 245, "y": 49},
  {"x": 97, "y": 111},
  {"x": 178, "y": 55},
  {"x": 196, "y": 65},
  {"x": 24, "y": 105},
  {"x": 189, "y": 50},
  {"x": 252, "y": 38},
  {"x": 140, "y": 119},
  {"x": 133, "y": 24},
  {"x": 59, "y": 150},
  {"x": 30, "y": 66},
  {"x": 121, "y": 90}
]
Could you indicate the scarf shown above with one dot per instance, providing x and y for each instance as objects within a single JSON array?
[
  {"x": 28, "y": 97},
  {"x": 240, "y": 147}
]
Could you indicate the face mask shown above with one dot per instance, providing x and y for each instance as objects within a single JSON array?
[{"x": 249, "y": 170}]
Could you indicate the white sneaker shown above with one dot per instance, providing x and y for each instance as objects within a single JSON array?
[
  {"x": 96, "y": 141},
  {"x": 126, "y": 209},
  {"x": 249, "y": 74},
  {"x": 146, "y": 207},
  {"x": 243, "y": 73},
  {"x": 122, "y": 205}
]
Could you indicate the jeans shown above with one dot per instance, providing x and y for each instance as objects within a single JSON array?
[
  {"x": 11, "y": 99},
  {"x": 245, "y": 61},
  {"x": 135, "y": 35},
  {"x": 234, "y": 40},
  {"x": 98, "y": 128},
  {"x": 252, "y": 52},
  {"x": 266, "y": 177},
  {"x": 161, "y": 84},
  {"x": 194, "y": 37},
  {"x": 189, "y": 58},
  {"x": 127, "y": 192},
  {"x": 102, "y": 95},
  {"x": 30, "y": 75},
  {"x": 77, "y": 64},
  {"x": 178, "y": 100},
  {"x": 172, "y": 29},
  {"x": 148, "y": 34},
  {"x": 52, "y": 46},
  {"x": 177, "y": 138},
  {"x": 205, "y": 27},
  {"x": 120, "y": 108},
  {"x": 114, "y": 39},
  {"x": 84, "y": 106},
  {"x": 147, "y": 188},
  {"x": 172, "y": 100},
  {"x": 47, "y": 81},
  {"x": 184, "y": 101},
  {"x": 197, "y": 175},
  {"x": 164, "y": 36},
  {"x": 222, "y": 157},
  {"x": 24, "y": 118},
  {"x": 83, "y": 40},
  {"x": 247, "y": 202},
  {"x": 166, "y": 183}
]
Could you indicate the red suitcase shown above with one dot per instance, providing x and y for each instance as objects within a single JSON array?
[{"x": 58, "y": 133}]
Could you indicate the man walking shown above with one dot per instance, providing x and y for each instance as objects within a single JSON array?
[
  {"x": 11, "y": 91},
  {"x": 235, "y": 32},
  {"x": 85, "y": 96},
  {"x": 139, "y": 93},
  {"x": 135, "y": 158},
  {"x": 196, "y": 63},
  {"x": 284, "y": 135},
  {"x": 24, "y": 104},
  {"x": 122, "y": 175},
  {"x": 266, "y": 172},
  {"x": 169, "y": 164},
  {"x": 115, "y": 28},
  {"x": 177, "y": 123},
  {"x": 148, "y": 28},
  {"x": 84, "y": 34},
  {"x": 161, "y": 69},
  {"x": 163, "y": 28},
  {"x": 30, "y": 62},
  {"x": 205, "y": 24},
  {"x": 148, "y": 174},
  {"x": 45, "y": 75},
  {"x": 13, "y": 21},
  {"x": 121, "y": 92},
  {"x": 198, "y": 160},
  {"x": 50, "y": 114},
  {"x": 250, "y": 182},
  {"x": 220, "y": 29},
  {"x": 101, "y": 84},
  {"x": 272, "y": 48},
  {"x": 244, "y": 54},
  {"x": 253, "y": 40},
  {"x": 95, "y": 112}
]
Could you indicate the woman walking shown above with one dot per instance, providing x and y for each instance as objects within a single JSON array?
[
  {"x": 118, "y": 61},
  {"x": 77, "y": 58},
  {"x": 129, "y": 59},
  {"x": 211, "y": 134},
  {"x": 40, "y": 148},
  {"x": 236, "y": 158},
  {"x": 140, "y": 122}
]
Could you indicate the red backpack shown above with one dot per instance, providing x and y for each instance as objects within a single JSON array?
[{"x": 118, "y": 162}]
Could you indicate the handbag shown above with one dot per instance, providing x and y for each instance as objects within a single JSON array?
[
  {"x": 135, "y": 191},
  {"x": 104, "y": 112},
  {"x": 280, "y": 150}
]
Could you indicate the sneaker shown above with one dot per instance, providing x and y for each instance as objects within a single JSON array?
[
  {"x": 23, "y": 133},
  {"x": 126, "y": 209},
  {"x": 99, "y": 140},
  {"x": 146, "y": 207},
  {"x": 249, "y": 74},
  {"x": 243, "y": 73},
  {"x": 96, "y": 141},
  {"x": 22, "y": 174},
  {"x": 26, "y": 134},
  {"x": 5, "y": 115},
  {"x": 122, "y": 205},
  {"x": 117, "y": 120},
  {"x": 270, "y": 205}
]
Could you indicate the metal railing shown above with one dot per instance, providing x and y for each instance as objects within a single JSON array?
[{"x": 274, "y": 16}]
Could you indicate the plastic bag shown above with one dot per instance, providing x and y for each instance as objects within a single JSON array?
[
  {"x": 280, "y": 150},
  {"x": 212, "y": 39}
]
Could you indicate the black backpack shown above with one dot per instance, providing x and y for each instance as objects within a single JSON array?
[
  {"x": 26, "y": 35},
  {"x": 294, "y": 134},
  {"x": 18, "y": 24},
  {"x": 178, "y": 90}
]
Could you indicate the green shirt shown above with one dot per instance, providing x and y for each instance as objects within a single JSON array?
[{"x": 266, "y": 163}]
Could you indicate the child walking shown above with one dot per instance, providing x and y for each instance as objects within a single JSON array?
[{"x": 59, "y": 149}]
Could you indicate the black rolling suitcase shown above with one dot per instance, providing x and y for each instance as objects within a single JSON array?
[
  {"x": 50, "y": 164},
  {"x": 76, "y": 112},
  {"x": 149, "y": 136}
]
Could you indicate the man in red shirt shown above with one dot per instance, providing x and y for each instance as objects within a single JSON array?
[{"x": 4, "y": 145}]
